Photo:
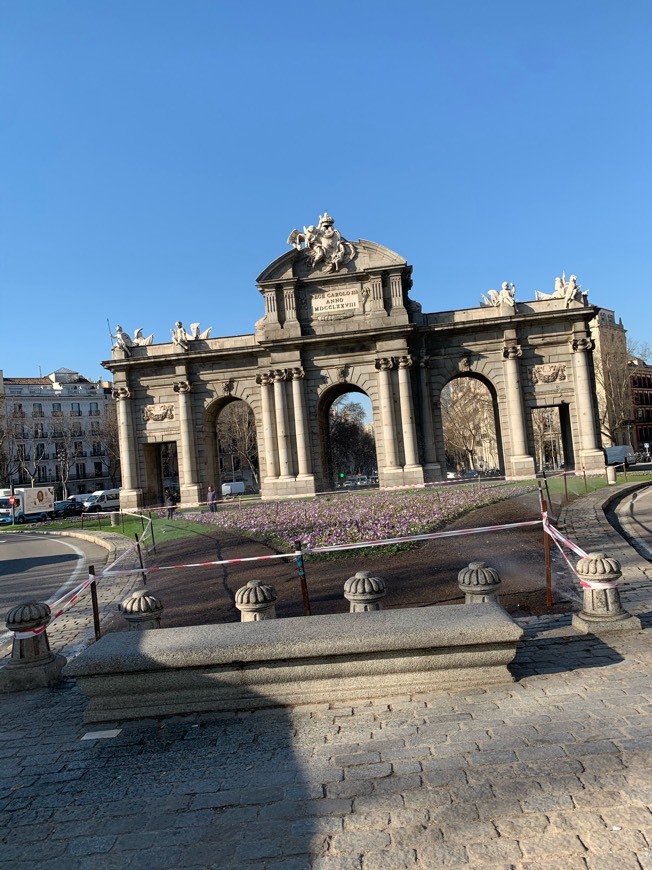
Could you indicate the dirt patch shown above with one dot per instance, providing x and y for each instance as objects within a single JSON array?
[{"x": 420, "y": 577}]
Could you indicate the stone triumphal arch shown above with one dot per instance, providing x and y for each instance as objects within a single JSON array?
[{"x": 338, "y": 317}]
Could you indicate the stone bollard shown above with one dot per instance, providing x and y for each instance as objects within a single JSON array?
[
  {"x": 611, "y": 474},
  {"x": 364, "y": 592},
  {"x": 256, "y": 601},
  {"x": 32, "y": 665},
  {"x": 479, "y": 583},
  {"x": 115, "y": 518},
  {"x": 142, "y": 610},
  {"x": 601, "y": 607}
]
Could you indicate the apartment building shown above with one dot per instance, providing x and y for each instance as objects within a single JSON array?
[{"x": 58, "y": 430}]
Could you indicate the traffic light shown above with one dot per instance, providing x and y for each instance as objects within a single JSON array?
[{"x": 341, "y": 474}]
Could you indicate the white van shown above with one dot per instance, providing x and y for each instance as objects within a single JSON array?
[
  {"x": 622, "y": 454},
  {"x": 236, "y": 487},
  {"x": 102, "y": 500}
]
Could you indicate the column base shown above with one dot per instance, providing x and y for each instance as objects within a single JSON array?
[
  {"x": 522, "y": 468},
  {"x": 591, "y": 461},
  {"x": 589, "y": 623},
  {"x": 190, "y": 494},
  {"x": 410, "y": 475},
  {"x": 130, "y": 499},
  {"x": 432, "y": 472},
  {"x": 288, "y": 487}
]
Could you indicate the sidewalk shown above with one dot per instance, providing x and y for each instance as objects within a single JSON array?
[{"x": 550, "y": 771}]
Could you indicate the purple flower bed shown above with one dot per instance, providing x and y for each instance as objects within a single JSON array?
[{"x": 354, "y": 518}]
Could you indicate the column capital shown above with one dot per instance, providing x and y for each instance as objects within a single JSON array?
[
  {"x": 279, "y": 375},
  {"x": 121, "y": 393},
  {"x": 297, "y": 373},
  {"x": 424, "y": 361},
  {"x": 579, "y": 345},
  {"x": 385, "y": 363},
  {"x": 182, "y": 386},
  {"x": 264, "y": 379},
  {"x": 512, "y": 351},
  {"x": 404, "y": 362}
]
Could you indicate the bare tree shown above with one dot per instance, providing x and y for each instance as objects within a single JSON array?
[
  {"x": 30, "y": 450},
  {"x": 236, "y": 435},
  {"x": 353, "y": 448},
  {"x": 468, "y": 420},
  {"x": 612, "y": 383},
  {"x": 110, "y": 445}
]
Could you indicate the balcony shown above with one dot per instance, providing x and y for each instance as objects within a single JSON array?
[
  {"x": 57, "y": 413},
  {"x": 37, "y": 414},
  {"x": 94, "y": 412}
]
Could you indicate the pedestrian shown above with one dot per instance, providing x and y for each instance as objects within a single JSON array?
[
  {"x": 170, "y": 503},
  {"x": 211, "y": 498}
]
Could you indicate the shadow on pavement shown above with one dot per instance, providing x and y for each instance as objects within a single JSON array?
[
  {"x": 178, "y": 791},
  {"x": 559, "y": 654}
]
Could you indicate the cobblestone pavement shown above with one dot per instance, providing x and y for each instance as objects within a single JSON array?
[{"x": 551, "y": 771}]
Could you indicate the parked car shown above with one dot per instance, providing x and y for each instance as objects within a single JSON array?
[{"x": 63, "y": 509}]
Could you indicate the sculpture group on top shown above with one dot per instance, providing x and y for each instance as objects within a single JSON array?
[
  {"x": 325, "y": 247},
  {"x": 569, "y": 291},
  {"x": 181, "y": 337},
  {"x": 505, "y": 296},
  {"x": 125, "y": 343}
]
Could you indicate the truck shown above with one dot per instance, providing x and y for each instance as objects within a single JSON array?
[
  {"x": 28, "y": 504},
  {"x": 621, "y": 454},
  {"x": 236, "y": 487}
]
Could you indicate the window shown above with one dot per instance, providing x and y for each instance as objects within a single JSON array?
[
  {"x": 95, "y": 428},
  {"x": 37, "y": 409},
  {"x": 81, "y": 470},
  {"x": 56, "y": 409},
  {"x": 18, "y": 410},
  {"x": 75, "y": 409},
  {"x": 94, "y": 410},
  {"x": 76, "y": 430},
  {"x": 96, "y": 449},
  {"x": 98, "y": 469},
  {"x": 39, "y": 431},
  {"x": 40, "y": 452}
]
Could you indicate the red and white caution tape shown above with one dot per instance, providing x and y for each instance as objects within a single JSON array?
[
  {"x": 111, "y": 573},
  {"x": 58, "y": 608},
  {"x": 562, "y": 541},
  {"x": 425, "y": 537}
]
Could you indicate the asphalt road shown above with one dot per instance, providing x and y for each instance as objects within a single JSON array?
[
  {"x": 36, "y": 566},
  {"x": 634, "y": 514}
]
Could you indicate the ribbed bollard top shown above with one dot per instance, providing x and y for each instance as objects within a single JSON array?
[
  {"x": 364, "y": 584},
  {"x": 29, "y": 614},
  {"x": 255, "y": 592},
  {"x": 598, "y": 568},
  {"x": 142, "y": 603},
  {"x": 478, "y": 577}
]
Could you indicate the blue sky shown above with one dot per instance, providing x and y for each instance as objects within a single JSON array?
[{"x": 157, "y": 154}]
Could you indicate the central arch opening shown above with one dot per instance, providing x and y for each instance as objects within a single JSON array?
[
  {"x": 347, "y": 439},
  {"x": 470, "y": 422}
]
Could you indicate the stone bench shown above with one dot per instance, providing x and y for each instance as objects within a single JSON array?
[{"x": 301, "y": 660}]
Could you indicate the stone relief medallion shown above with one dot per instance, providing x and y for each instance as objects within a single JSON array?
[
  {"x": 548, "y": 373},
  {"x": 464, "y": 364},
  {"x": 158, "y": 413},
  {"x": 325, "y": 248}
]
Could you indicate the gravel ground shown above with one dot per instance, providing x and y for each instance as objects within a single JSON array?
[{"x": 419, "y": 577}]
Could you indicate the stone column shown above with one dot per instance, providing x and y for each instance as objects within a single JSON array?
[
  {"x": 256, "y": 601},
  {"x": 364, "y": 592},
  {"x": 269, "y": 424},
  {"x": 32, "y": 664},
  {"x": 387, "y": 422},
  {"x": 591, "y": 457},
  {"x": 428, "y": 430},
  {"x": 407, "y": 411},
  {"x": 602, "y": 610},
  {"x": 282, "y": 430},
  {"x": 479, "y": 583},
  {"x": 301, "y": 422},
  {"x": 189, "y": 485},
  {"x": 130, "y": 494},
  {"x": 522, "y": 463}
]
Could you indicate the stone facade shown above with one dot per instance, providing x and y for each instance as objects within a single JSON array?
[{"x": 339, "y": 318}]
